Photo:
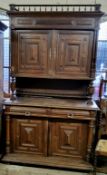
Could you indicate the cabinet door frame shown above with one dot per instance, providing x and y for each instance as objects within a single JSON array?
[
  {"x": 14, "y": 125},
  {"x": 36, "y": 57},
  {"x": 65, "y": 53},
  {"x": 63, "y": 143},
  {"x": 89, "y": 129},
  {"x": 73, "y": 54}
]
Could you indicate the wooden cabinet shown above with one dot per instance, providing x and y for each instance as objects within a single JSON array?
[
  {"x": 50, "y": 118},
  {"x": 55, "y": 53},
  {"x": 59, "y": 133}
]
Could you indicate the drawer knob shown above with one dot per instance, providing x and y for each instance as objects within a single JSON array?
[
  {"x": 70, "y": 115},
  {"x": 27, "y": 113}
]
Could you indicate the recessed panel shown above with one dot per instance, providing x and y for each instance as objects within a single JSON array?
[
  {"x": 74, "y": 54},
  {"x": 68, "y": 139},
  {"x": 26, "y": 138},
  {"x": 33, "y": 52}
]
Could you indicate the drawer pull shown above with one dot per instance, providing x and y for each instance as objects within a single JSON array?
[
  {"x": 27, "y": 113},
  {"x": 70, "y": 115}
]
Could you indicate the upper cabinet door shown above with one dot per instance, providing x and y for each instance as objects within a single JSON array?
[
  {"x": 73, "y": 54},
  {"x": 30, "y": 52}
]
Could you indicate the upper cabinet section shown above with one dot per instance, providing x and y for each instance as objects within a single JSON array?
[{"x": 55, "y": 42}]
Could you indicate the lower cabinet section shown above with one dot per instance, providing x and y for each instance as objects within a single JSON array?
[{"x": 49, "y": 139}]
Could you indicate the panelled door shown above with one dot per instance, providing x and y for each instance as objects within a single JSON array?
[
  {"x": 73, "y": 54},
  {"x": 29, "y": 136},
  {"x": 30, "y": 54},
  {"x": 68, "y": 139},
  {"x": 48, "y": 137}
]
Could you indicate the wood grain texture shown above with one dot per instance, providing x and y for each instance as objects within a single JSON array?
[
  {"x": 60, "y": 54},
  {"x": 49, "y": 131},
  {"x": 53, "y": 58}
]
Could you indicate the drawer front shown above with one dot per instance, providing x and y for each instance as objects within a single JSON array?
[
  {"x": 26, "y": 111},
  {"x": 71, "y": 114},
  {"x": 49, "y": 112}
]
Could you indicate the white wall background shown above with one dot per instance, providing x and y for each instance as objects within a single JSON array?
[
  {"x": 103, "y": 31},
  {"x": 5, "y": 3}
]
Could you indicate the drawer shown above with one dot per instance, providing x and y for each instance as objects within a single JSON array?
[
  {"x": 49, "y": 112},
  {"x": 26, "y": 111},
  {"x": 71, "y": 114}
]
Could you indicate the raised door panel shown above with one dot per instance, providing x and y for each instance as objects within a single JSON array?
[
  {"x": 74, "y": 54},
  {"x": 30, "y": 52},
  {"x": 68, "y": 139},
  {"x": 28, "y": 136}
]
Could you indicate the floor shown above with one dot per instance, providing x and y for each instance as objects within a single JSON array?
[{"x": 22, "y": 170}]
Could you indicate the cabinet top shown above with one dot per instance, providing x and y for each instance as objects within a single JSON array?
[
  {"x": 53, "y": 103},
  {"x": 55, "y": 16}
]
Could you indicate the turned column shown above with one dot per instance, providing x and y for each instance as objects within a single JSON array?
[
  {"x": 12, "y": 84},
  {"x": 91, "y": 135}
]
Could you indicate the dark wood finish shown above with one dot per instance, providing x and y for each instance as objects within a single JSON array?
[
  {"x": 52, "y": 87},
  {"x": 68, "y": 139},
  {"x": 59, "y": 54},
  {"x": 56, "y": 162},
  {"x": 25, "y": 137},
  {"x": 54, "y": 45},
  {"x": 65, "y": 22},
  {"x": 73, "y": 54},
  {"x": 53, "y": 60},
  {"x": 34, "y": 59},
  {"x": 65, "y": 129}
]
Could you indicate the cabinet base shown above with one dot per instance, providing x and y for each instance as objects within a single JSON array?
[{"x": 66, "y": 163}]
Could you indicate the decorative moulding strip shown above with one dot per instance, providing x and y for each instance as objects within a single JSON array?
[{"x": 57, "y": 7}]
